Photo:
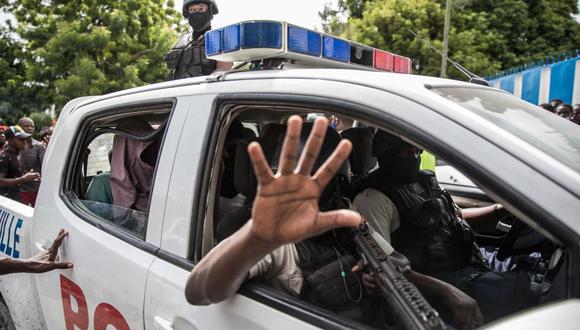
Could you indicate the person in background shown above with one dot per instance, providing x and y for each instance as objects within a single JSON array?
[
  {"x": 547, "y": 106},
  {"x": 555, "y": 103},
  {"x": 45, "y": 135},
  {"x": 575, "y": 114},
  {"x": 43, "y": 262},
  {"x": 31, "y": 159},
  {"x": 187, "y": 57},
  {"x": 564, "y": 110},
  {"x": 11, "y": 169},
  {"x": 2, "y": 139}
]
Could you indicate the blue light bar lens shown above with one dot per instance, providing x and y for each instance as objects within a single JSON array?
[
  {"x": 261, "y": 35},
  {"x": 304, "y": 41},
  {"x": 213, "y": 42},
  {"x": 336, "y": 49},
  {"x": 231, "y": 38}
]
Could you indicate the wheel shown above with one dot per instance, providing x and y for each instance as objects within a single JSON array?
[{"x": 6, "y": 322}]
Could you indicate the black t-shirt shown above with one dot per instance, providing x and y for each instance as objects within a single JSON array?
[{"x": 10, "y": 168}]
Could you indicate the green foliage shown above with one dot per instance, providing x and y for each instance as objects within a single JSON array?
[
  {"x": 16, "y": 96},
  {"x": 91, "y": 47},
  {"x": 41, "y": 120},
  {"x": 486, "y": 35}
]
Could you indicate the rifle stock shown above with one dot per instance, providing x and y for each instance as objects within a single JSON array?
[{"x": 410, "y": 309}]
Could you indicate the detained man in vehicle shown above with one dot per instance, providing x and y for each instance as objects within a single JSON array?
[
  {"x": 409, "y": 209},
  {"x": 187, "y": 58},
  {"x": 286, "y": 213}
]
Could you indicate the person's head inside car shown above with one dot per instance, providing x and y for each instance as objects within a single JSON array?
[
  {"x": 397, "y": 158},
  {"x": 564, "y": 110}
]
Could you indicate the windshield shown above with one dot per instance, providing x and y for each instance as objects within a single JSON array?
[{"x": 556, "y": 136}]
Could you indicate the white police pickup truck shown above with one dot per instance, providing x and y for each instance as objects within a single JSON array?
[{"x": 139, "y": 222}]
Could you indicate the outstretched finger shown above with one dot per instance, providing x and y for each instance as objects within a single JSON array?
[
  {"x": 331, "y": 166},
  {"x": 313, "y": 145},
  {"x": 59, "y": 265},
  {"x": 57, "y": 243},
  {"x": 260, "y": 165},
  {"x": 336, "y": 219},
  {"x": 288, "y": 156}
]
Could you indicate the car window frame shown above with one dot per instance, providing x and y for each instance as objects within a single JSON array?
[{"x": 66, "y": 192}]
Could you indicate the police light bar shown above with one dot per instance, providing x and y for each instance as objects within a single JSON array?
[{"x": 256, "y": 40}]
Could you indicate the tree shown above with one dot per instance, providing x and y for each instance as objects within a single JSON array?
[
  {"x": 92, "y": 47},
  {"x": 16, "y": 96},
  {"x": 486, "y": 35}
]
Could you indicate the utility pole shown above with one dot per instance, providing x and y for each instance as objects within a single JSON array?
[{"x": 446, "y": 39}]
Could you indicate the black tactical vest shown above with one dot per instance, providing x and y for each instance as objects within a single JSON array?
[
  {"x": 187, "y": 59},
  {"x": 431, "y": 234}
]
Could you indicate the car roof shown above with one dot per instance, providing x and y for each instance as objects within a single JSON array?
[{"x": 409, "y": 86}]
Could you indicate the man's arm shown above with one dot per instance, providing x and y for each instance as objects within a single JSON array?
[
  {"x": 464, "y": 309},
  {"x": 479, "y": 217},
  {"x": 28, "y": 177},
  {"x": 43, "y": 262},
  {"x": 285, "y": 211}
]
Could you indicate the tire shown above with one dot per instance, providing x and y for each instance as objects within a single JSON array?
[{"x": 6, "y": 322}]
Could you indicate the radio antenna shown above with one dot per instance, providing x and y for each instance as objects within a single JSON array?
[{"x": 473, "y": 78}]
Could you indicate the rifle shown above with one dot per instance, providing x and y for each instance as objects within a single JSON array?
[{"x": 410, "y": 309}]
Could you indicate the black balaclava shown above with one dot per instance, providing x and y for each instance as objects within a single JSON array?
[
  {"x": 386, "y": 148},
  {"x": 200, "y": 22}
]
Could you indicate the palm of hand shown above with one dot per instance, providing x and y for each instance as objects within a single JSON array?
[{"x": 286, "y": 207}]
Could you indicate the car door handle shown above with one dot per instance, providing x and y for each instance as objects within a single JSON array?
[
  {"x": 162, "y": 324},
  {"x": 43, "y": 246}
]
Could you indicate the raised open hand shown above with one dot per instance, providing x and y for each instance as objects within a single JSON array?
[
  {"x": 286, "y": 206},
  {"x": 46, "y": 260}
]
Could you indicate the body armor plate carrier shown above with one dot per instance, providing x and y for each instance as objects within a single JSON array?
[
  {"x": 187, "y": 58},
  {"x": 431, "y": 234}
]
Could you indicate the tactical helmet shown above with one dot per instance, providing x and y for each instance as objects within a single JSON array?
[
  {"x": 387, "y": 145},
  {"x": 211, "y": 3}
]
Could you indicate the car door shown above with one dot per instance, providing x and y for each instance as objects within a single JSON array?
[
  {"x": 165, "y": 304},
  {"x": 106, "y": 287},
  {"x": 187, "y": 236}
]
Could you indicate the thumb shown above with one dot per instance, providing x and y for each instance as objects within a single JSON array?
[
  {"x": 358, "y": 267},
  {"x": 336, "y": 219}
]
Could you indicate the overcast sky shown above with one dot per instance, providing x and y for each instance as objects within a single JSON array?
[{"x": 300, "y": 12}]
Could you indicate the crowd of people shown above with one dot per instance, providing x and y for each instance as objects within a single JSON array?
[
  {"x": 564, "y": 110},
  {"x": 21, "y": 160}
]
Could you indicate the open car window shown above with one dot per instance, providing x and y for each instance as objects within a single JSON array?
[
  {"x": 232, "y": 190},
  {"x": 112, "y": 172}
]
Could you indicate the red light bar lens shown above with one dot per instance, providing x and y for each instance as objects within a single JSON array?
[
  {"x": 402, "y": 64},
  {"x": 383, "y": 60}
]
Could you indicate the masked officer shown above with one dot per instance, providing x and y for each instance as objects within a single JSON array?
[{"x": 187, "y": 58}]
